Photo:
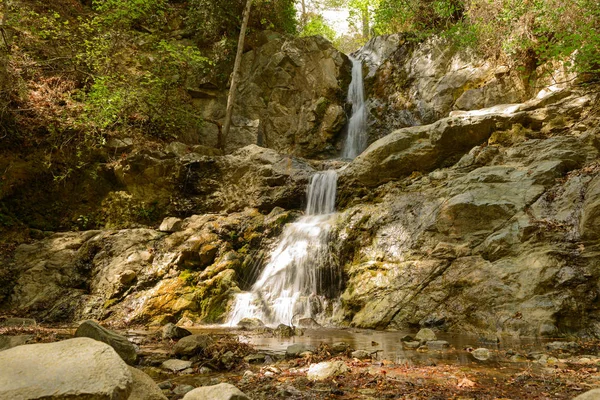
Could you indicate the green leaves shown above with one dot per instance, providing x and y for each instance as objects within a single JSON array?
[
  {"x": 316, "y": 25},
  {"x": 531, "y": 31},
  {"x": 129, "y": 12}
]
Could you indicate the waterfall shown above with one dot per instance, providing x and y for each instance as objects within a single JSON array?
[
  {"x": 356, "y": 141},
  {"x": 300, "y": 276}
]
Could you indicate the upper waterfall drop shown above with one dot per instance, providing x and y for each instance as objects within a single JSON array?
[{"x": 356, "y": 141}]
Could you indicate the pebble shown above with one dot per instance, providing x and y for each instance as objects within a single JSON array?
[
  {"x": 481, "y": 354},
  {"x": 361, "y": 354},
  {"x": 176, "y": 365}
]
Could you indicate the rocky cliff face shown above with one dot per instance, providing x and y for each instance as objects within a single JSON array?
[
  {"x": 493, "y": 237},
  {"x": 290, "y": 98},
  {"x": 186, "y": 271},
  {"x": 468, "y": 215},
  {"x": 412, "y": 83}
]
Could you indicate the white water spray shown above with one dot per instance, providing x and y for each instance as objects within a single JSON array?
[
  {"x": 356, "y": 140},
  {"x": 294, "y": 284}
]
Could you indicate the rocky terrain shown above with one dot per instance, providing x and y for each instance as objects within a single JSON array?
[
  {"x": 172, "y": 363},
  {"x": 474, "y": 211},
  {"x": 480, "y": 220}
]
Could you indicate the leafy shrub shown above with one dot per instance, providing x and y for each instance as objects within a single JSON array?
[
  {"x": 212, "y": 20},
  {"x": 531, "y": 32},
  {"x": 316, "y": 25}
]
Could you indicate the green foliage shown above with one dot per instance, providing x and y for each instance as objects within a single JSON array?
[
  {"x": 128, "y": 13},
  {"x": 531, "y": 32},
  {"x": 213, "y": 20},
  {"x": 316, "y": 25},
  {"x": 417, "y": 16}
]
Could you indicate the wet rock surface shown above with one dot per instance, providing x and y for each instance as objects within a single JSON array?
[{"x": 185, "y": 276}]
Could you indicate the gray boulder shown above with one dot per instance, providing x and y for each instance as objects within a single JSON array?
[
  {"x": 325, "y": 370},
  {"x": 294, "y": 350},
  {"x": 425, "y": 335},
  {"x": 192, "y": 345},
  {"x": 171, "y": 224},
  {"x": 79, "y": 368},
  {"x": 144, "y": 388},
  {"x": 251, "y": 323},
  {"x": 222, "y": 391},
  {"x": 481, "y": 354},
  {"x": 172, "y": 331},
  {"x": 361, "y": 354},
  {"x": 122, "y": 346},
  {"x": 176, "y": 365}
]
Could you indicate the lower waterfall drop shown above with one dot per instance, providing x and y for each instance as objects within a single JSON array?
[{"x": 301, "y": 276}]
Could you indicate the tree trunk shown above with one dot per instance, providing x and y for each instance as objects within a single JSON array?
[
  {"x": 303, "y": 18},
  {"x": 235, "y": 75},
  {"x": 365, "y": 23}
]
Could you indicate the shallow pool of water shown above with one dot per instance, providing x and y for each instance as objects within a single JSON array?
[{"x": 385, "y": 345}]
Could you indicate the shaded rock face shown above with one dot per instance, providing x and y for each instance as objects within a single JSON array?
[
  {"x": 188, "y": 276},
  {"x": 412, "y": 83},
  {"x": 290, "y": 98},
  {"x": 501, "y": 237},
  {"x": 192, "y": 183}
]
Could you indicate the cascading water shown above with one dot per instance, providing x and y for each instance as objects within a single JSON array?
[
  {"x": 356, "y": 141},
  {"x": 301, "y": 277}
]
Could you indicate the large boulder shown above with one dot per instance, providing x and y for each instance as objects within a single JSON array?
[
  {"x": 143, "y": 275},
  {"x": 410, "y": 83},
  {"x": 252, "y": 176},
  {"x": 421, "y": 149},
  {"x": 325, "y": 370},
  {"x": 122, "y": 346},
  {"x": 79, "y": 368}
]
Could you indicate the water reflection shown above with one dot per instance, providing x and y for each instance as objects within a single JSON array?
[{"x": 386, "y": 345}]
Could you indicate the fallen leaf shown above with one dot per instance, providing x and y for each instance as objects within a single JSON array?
[{"x": 465, "y": 383}]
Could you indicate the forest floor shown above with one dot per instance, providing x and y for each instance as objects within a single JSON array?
[{"x": 508, "y": 374}]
